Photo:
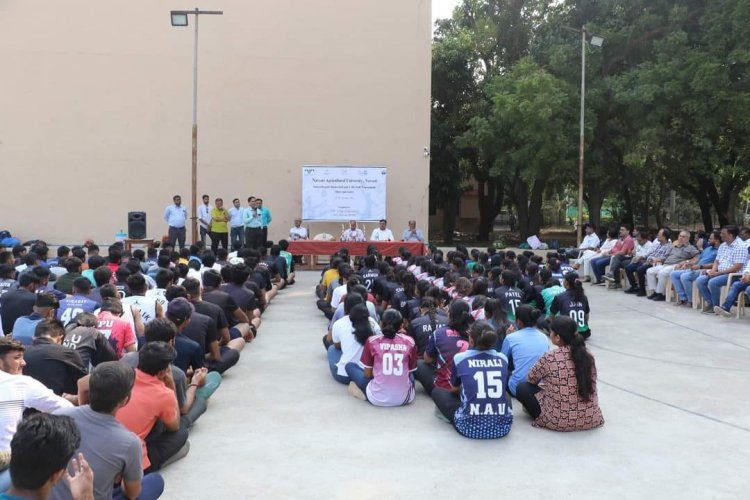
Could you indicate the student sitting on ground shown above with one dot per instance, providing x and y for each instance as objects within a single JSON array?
[
  {"x": 348, "y": 336},
  {"x": 388, "y": 360},
  {"x": 566, "y": 399},
  {"x": 573, "y": 303},
  {"x": 41, "y": 451},
  {"x": 480, "y": 376},
  {"x": 524, "y": 346},
  {"x": 113, "y": 452}
]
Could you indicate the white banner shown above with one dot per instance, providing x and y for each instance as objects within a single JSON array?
[{"x": 337, "y": 193}]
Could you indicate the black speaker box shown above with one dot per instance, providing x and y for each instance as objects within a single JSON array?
[{"x": 136, "y": 225}]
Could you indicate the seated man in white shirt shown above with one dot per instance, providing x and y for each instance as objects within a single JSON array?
[
  {"x": 353, "y": 233},
  {"x": 590, "y": 241},
  {"x": 381, "y": 233},
  {"x": 412, "y": 234},
  {"x": 297, "y": 232},
  {"x": 745, "y": 236}
]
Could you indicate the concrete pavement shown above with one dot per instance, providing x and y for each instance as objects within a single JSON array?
[{"x": 672, "y": 386}]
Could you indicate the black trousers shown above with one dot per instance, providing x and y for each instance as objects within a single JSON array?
[
  {"x": 425, "y": 374},
  {"x": 217, "y": 238},
  {"x": 253, "y": 237},
  {"x": 162, "y": 445},
  {"x": 637, "y": 268},
  {"x": 525, "y": 394},
  {"x": 229, "y": 358},
  {"x": 446, "y": 402},
  {"x": 265, "y": 235},
  {"x": 326, "y": 308}
]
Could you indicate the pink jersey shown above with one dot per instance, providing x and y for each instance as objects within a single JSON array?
[
  {"x": 391, "y": 361},
  {"x": 117, "y": 331}
]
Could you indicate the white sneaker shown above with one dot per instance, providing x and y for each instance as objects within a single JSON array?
[
  {"x": 722, "y": 311},
  {"x": 356, "y": 392}
]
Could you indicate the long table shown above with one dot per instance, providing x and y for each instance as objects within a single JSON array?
[{"x": 356, "y": 248}]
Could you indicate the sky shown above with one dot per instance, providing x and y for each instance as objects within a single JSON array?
[{"x": 442, "y": 9}]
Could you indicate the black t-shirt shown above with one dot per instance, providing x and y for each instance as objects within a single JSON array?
[
  {"x": 421, "y": 328},
  {"x": 90, "y": 344},
  {"x": 400, "y": 301},
  {"x": 202, "y": 329},
  {"x": 369, "y": 276},
  {"x": 55, "y": 366},
  {"x": 225, "y": 302},
  {"x": 389, "y": 290},
  {"x": 189, "y": 353},
  {"x": 510, "y": 298},
  {"x": 13, "y": 305},
  {"x": 214, "y": 312},
  {"x": 242, "y": 295},
  {"x": 566, "y": 305},
  {"x": 6, "y": 284}
]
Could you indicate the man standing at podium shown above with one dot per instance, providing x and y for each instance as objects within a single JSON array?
[
  {"x": 381, "y": 233},
  {"x": 176, "y": 216}
]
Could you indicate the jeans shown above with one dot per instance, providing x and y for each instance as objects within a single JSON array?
[
  {"x": 710, "y": 288},
  {"x": 598, "y": 264},
  {"x": 682, "y": 282},
  {"x": 177, "y": 234},
  {"x": 334, "y": 356},
  {"x": 357, "y": 375},
  {"x": 447, "y": 403},
  {"x": 152, "y": 486},
  {"x": 229, "y": 358},
  {"x": 161, "y": 445},
  {"x": 237, "y": 236},
  {"x": 203, "y": 232},
  {"x": 733, "y": 293},
  {"x": 217, "y": 238},
  {"x": 526, "y": 395}
]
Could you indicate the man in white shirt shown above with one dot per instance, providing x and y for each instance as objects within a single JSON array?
[
  {"x": 412, "y": 234},
  {"x": 590, "y": 241},
  {"x": 236, "y": 225},
  {"x": 381, "y": 233},
  {"x": 745, "y": 236},
  {"x": 297, "y": 232},
  {"x": 204, "y": 217},
  {"x": 353, "y": 233}
]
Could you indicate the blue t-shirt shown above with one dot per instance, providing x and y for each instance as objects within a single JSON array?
[
  {"x": 523, "y": 348},
  {"x": 708, "y": 256},
  {"x": 73, "y": 306},
  {"x": 483, "y": 376},
  {"x": 23, "y": 329}
]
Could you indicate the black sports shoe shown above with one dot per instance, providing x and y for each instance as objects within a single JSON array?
[
  {"x": 641, "y": 293},
  {"x": 632, "y": 289},
  {"x": 659, "y": 298}
]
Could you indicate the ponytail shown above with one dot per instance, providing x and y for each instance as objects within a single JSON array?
[
  {"x": 565, "y": 328},
  {"x": 575, "y": 285},
  {"x": 459, "y": 318},
  {"x": 390, "y": 323},
  {"x": 527, "y": 315},
  {"x": 360, "y": 318},
  {"x": 430, "y": 304}
]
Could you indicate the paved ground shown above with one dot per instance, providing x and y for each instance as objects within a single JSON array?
[{"x": 673, "y": 389}]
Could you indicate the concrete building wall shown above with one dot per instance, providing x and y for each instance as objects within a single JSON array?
[{"x": 96, "y": 103}]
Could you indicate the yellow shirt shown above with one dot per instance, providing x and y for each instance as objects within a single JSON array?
[{"x": 219, "y": 218}]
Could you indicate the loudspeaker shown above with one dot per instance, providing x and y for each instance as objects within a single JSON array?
[{"x": 136, "y": 225}]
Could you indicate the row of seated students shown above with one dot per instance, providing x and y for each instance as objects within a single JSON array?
[
  {"x": 473, "y": 329},
  {"x": 128, "y": 360}
]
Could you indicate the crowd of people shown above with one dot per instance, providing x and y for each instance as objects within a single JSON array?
[
  {"x": 113, "y": 358},
  {"x": 474, "y": 329},
  {"x": 653, "y": 262}
]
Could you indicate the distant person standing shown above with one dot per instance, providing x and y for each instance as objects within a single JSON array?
[
  {"x": 237, "y": 228},
  {"x": 204, "y": 218},
  {"x": 512, "y": 221},
  {"x": 253, "y": 225},
  {"x": 412, "y": 233},
  {"x": 265, "y": 218},
  {"x": 297, "y": 232},
  {"x": 382, "y": 233},
  {"x": 176, "y": 216},
  {"x": 219, "y": 228}
]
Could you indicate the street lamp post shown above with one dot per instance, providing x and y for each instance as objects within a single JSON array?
[
  {"x": 596, "y": 41},
  {"x": 180, "y": 18}
]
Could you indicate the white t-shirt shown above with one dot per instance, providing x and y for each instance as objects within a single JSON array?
[
  {"x": 18, "y": 392},
  {"x": 298, "y": 233},
  {"x": 147, "y": 306},
  {"x": 382, "y": 235},
  {"x": 351, "y": 350},
  {"x": 338, "y": 292}
]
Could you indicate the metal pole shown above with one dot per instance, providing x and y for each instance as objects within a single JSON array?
[
  {"x": 194, "y": 186},
  {"x": 579, "y": 230}
]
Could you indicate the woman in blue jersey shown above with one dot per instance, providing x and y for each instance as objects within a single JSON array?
[{"x": 477, "y": 404}]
